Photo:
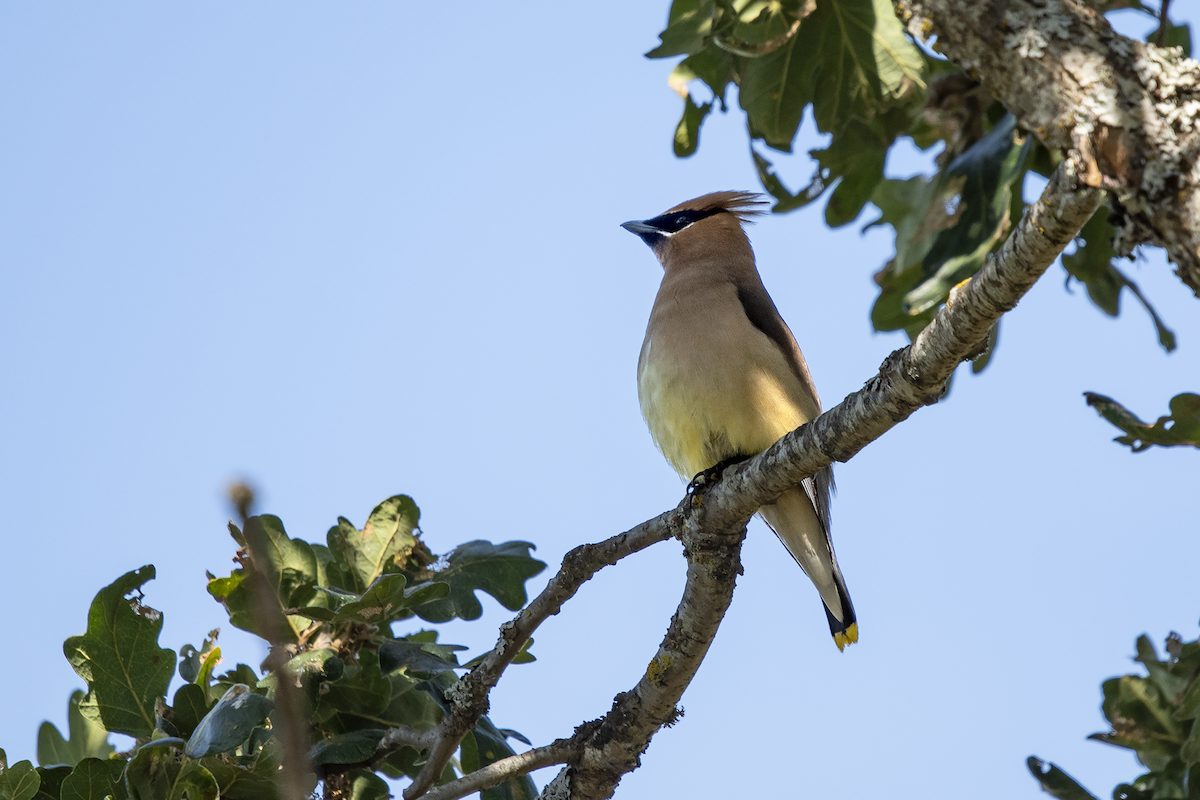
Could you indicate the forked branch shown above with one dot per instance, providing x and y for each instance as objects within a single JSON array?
[{"x": 712, "y": 526}]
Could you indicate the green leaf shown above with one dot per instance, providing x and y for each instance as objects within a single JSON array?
[
  {"x": 1190, "y": 751},
  {"x": 289, "y": 568},
  {"x": 909, "y": 207},
  {"x": 1179, "y": 36},
  {"x": 976, "y": 193},
  {"x": 1092, "y": 265},
  {"x": 162, "y": 741},
  {"x": 156, "y": 774},
  {"x": 1055, "y": 782},
  {"x": 229, "y": 723},
  {"x": 256, "y": 782},
  {"x": 784, "y": 199},
  {"x": 687, "y": 133},
  {"x": 851, "y": 59},
  {"x": 523, "y": 656},
  {"x": 193, "y": 661},
  {"x": 1153, "y": 785},
  {"x": 775, "y": 89},
  {"x": 418, "y": 656},
  {"x": 88, "y": 740},
  {"x": 855, "y": 157},
  {"x": 239, "y": 674},
  {"x": 190, "y": 706},
  {"x": 385, "y": 600},
  {"x": 347, "y": 748},
  {"x": 1189, "y": 704},
  {"x": 189, "y": 663},
  {"x": 492, "y": 746},
  {"x": 93, "y": 779},
  {"x": 853, "y": 62},
  {"x": 1170, "y": 685},
  {"x": 20, "y": 781},
  {"x": 382, "y": 546},
  {"x": 120, "y": 659},
  {"x": 500, "y": 570},
  {"x": 51, "y": 781},
  {"x": 1181, "y": 428},
  {"x": 361, "y": 692},
  {"x": 690, "y": 23},
  {"x": 1141, "y": 717},
  {"x": 366, "y": 785},
  {"x": 712, "y": 65}
]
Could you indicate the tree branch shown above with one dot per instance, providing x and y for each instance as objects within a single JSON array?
[
  {"x": 404, "y": 736},
  {"x": 1128, "y": 111},
  {"x": 712, "y": 525},
  {"x": 469, "y": 696},
  {"x": 613, "y": 745},
  {"x": 909, "y": 379},
  {"x": 500, "y": 771}
]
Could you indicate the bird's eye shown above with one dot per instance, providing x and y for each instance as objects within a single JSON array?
[{"x": 681, "y": 220}]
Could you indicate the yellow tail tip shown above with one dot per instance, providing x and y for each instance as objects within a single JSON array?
[{"x": 848, "y": 636}]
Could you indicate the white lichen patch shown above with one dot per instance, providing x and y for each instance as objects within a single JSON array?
[
  {"x": 1033, "y": 28},
  {"x": 1102, "y": 101},
  {"x": 1159, "y": 170},
  {"x": 459, "y": 694},
  {"x": 1028, "y": 42},
  {"x": 1165, "y": 72}
]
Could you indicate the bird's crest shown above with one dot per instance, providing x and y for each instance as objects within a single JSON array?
[{"x": 743, "y": 205}]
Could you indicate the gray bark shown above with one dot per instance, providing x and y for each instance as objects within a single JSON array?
[{"x": 1128, "y": 111}]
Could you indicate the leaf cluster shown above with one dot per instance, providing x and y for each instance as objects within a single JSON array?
[
  {"x": 335, "y": 604},
  {"x": 1154, "y": 715},
  {"x": 852, "y": 65},
  {"x": 1182, "y": 427}
]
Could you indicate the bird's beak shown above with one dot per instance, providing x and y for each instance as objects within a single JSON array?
[{"x": 639, "y": 228}]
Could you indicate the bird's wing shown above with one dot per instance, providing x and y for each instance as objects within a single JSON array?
[{"x": 761, "y": 311}]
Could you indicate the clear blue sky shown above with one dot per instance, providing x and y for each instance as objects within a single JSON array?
[{"x": 352, "y": 251}]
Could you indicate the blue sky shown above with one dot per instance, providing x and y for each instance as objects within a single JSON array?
[{"x": 347, "y": 253}]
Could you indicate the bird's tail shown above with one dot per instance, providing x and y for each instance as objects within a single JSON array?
[
  {"x": 794, "y": 520},
  {"x": 845, "y": 630}
]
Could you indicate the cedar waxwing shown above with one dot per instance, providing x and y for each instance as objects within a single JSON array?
[{"x": 721, "y": 378}]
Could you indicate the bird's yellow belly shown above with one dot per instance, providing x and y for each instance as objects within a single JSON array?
[{"x": 734, "y": 409}]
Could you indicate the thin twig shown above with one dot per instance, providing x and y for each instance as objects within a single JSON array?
[
  {"x": 470, "y": 694},
  {"x": 288, "y": 718},
  {"x": 500, "y": 771},
  {"x": 404, "y": 736},
  {"x": 1160, "y": 37}
]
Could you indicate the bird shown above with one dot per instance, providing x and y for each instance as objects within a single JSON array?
[{"x": 720, "y": 377}]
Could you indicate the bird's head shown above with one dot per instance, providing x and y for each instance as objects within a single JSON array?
[{"x": 705, "y": 222}]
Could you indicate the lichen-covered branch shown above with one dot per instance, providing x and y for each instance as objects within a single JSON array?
[
  {"x": 910, "y": 378},
  {"x": 712, "y": 525},
  {"x": 499, "y": 771},
  {"x": 469, "y": 696},
  {"x": 1128, "y": 111},
  {"x": 613, "y": 745},
  {"x": 914, "y": 376}
]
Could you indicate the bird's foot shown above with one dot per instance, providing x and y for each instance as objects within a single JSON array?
[{"x": 705, "y": 479}]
